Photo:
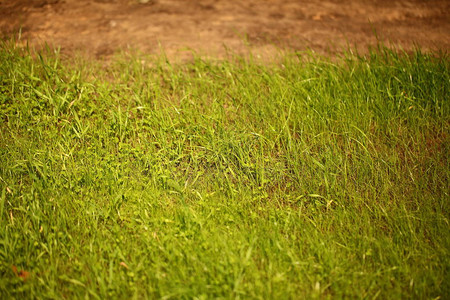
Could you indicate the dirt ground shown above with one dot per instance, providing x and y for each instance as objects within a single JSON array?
[{"x": 210, "y": 27}]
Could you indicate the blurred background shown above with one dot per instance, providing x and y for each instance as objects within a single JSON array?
[{"x": 211, "y": 27}]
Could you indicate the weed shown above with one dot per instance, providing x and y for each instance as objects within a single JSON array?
[{"x": 309, "y": 178}]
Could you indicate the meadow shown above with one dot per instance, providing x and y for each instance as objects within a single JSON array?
[{"x": 311, "y": 177}]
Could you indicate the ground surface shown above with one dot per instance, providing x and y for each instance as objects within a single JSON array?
[{"x": 100, "y": 27}]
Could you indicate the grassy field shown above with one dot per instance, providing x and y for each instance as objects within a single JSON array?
[{"x": 309, "y": 178}]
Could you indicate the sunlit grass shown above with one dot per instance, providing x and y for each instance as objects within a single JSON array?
[{"x": 307, "y": 178}]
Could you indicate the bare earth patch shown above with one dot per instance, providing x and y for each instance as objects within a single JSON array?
[{"x": 210, "y": 27}]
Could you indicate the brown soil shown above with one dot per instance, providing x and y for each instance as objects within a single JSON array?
[{"x": 101, "y": 27}]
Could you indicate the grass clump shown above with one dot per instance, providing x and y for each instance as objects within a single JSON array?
[{"x": 231, "y": 179}]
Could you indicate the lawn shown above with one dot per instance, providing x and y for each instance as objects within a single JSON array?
[{"x": 311, "y": 177}]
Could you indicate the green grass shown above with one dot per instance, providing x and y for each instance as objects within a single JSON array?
[{"x": 309, "y": 178}]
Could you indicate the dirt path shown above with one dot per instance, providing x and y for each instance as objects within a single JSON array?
[{"x": 100, "y": 27}]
